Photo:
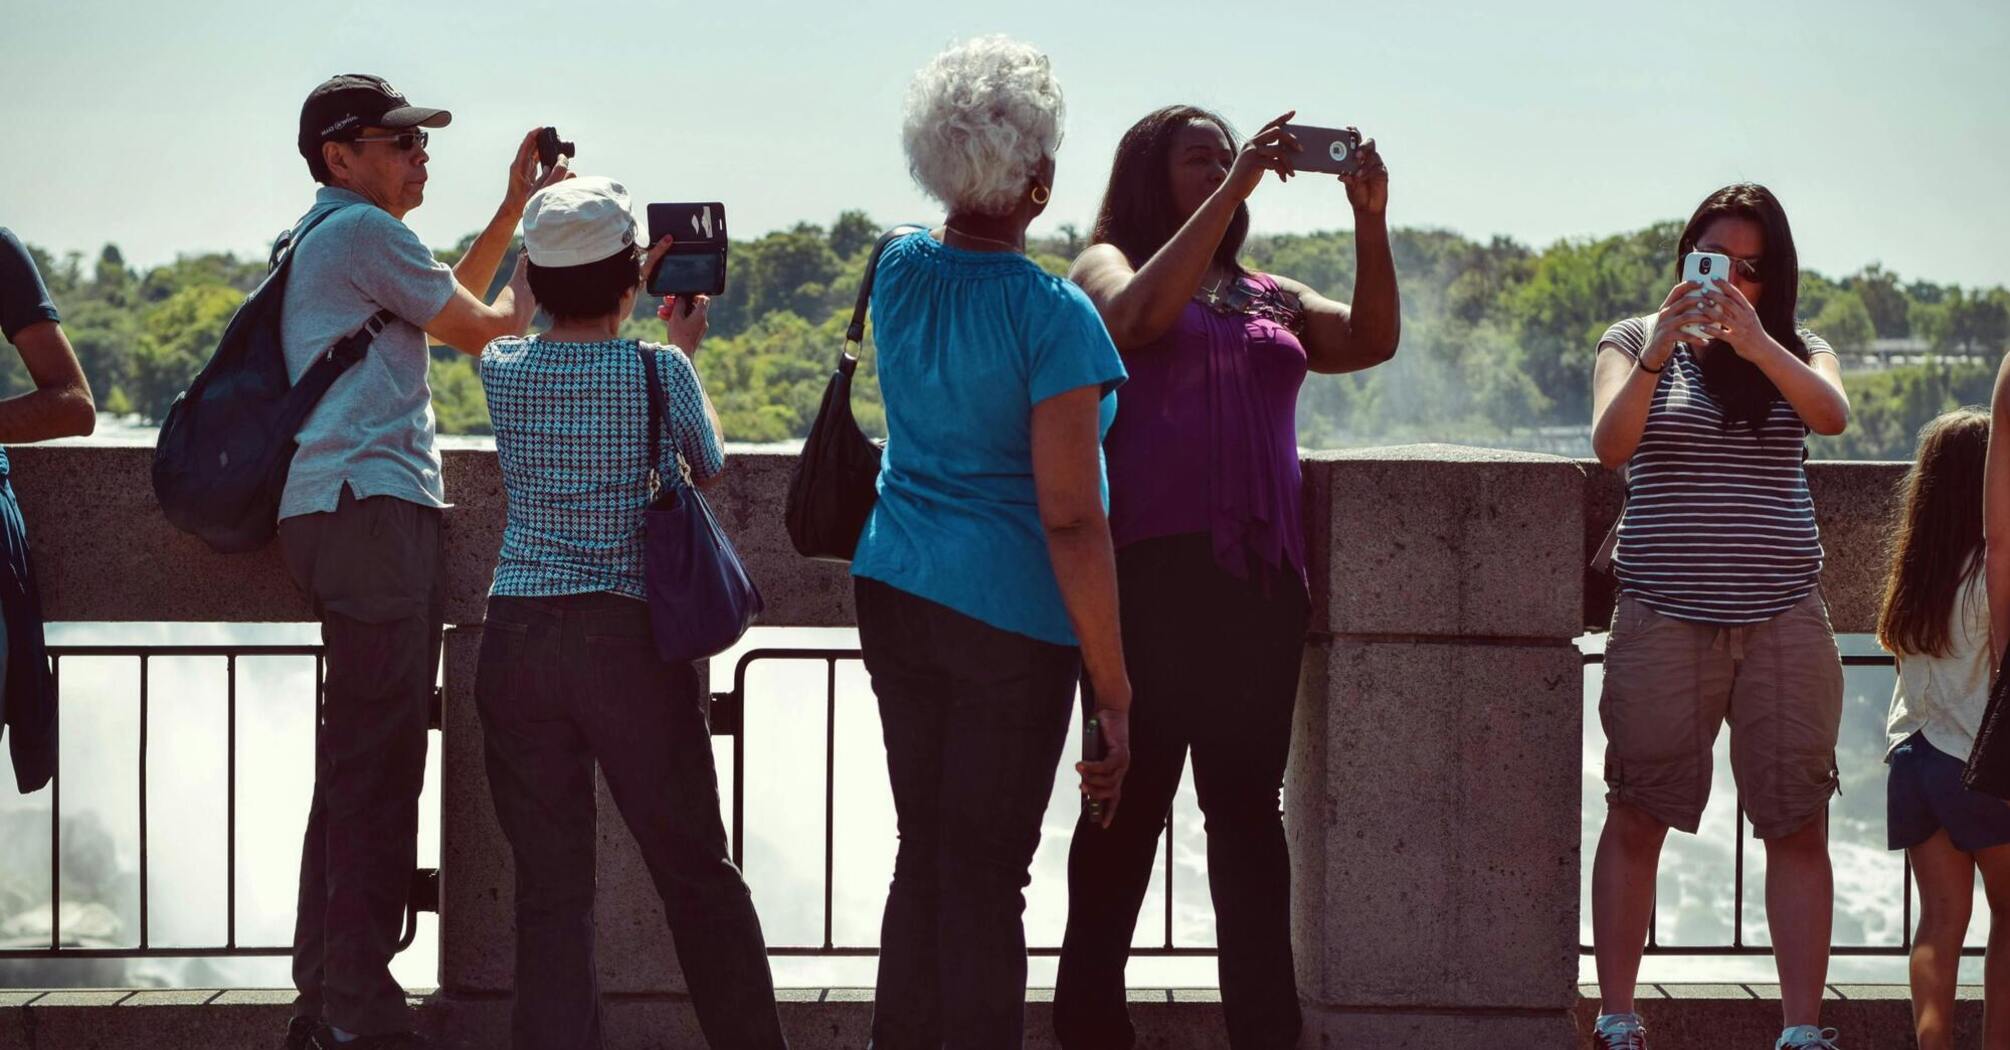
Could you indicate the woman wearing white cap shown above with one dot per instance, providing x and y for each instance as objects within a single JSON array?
[{"x": 568, "y": 673}]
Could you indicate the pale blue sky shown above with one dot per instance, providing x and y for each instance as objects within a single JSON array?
[{"x": 169, "y": 127}]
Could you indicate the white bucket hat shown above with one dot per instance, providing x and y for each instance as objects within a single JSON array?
[{"x": 581, "y": 220}]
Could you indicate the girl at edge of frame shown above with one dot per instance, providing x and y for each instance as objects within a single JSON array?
[
  {"x": 1205, "y": 513},
  {"x": 1935, "y": 621},
  {"x": 1708, "y": 404}
]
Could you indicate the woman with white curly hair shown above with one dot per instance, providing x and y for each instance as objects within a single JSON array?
[{"x": 985, "y": 580}]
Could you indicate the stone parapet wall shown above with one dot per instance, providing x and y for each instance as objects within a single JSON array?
[{"x": 1433, "y": 795}]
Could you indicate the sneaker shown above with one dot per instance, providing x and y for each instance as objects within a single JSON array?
[
  {"x": 1807, "y": 1037},
  {"x": 1619, "y": 1032},
  {"x": 300, "y": 1033}
]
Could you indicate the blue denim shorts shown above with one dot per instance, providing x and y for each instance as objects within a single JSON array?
[{"x": 1923, "y": 794}]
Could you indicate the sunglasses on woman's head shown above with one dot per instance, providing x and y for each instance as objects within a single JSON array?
[{"x": 403, "y": 142}]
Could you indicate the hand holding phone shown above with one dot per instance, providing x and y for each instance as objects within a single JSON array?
[
  {"x": 1331, "y": 151},
  {"x": 1106, "y": 734},
  {"x": 1092, "y": 751},
  {"x": 695, "y": 263},
  {"x": 1705, "y": 270}
]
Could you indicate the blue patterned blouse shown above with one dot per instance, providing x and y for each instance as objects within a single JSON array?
[{"x": 571, "y": 426}]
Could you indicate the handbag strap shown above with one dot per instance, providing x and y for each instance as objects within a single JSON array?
[
  {"x": 854, "y": 333},
  {"x": 655, "y": 397}
]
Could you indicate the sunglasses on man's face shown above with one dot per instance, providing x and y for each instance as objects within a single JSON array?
[{"x": 403, "y": 142}]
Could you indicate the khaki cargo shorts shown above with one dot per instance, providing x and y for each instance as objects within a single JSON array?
[{"x": 1669, "y": 684}]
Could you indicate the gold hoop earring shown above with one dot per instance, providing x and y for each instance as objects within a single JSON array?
[{"x": 1041, "y": 194}]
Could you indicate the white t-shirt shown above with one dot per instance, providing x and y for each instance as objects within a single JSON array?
[{"x": 1944, "y": 696}]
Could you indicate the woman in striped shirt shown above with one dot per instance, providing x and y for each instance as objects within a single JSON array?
[{"x": 1708, "y": 404}]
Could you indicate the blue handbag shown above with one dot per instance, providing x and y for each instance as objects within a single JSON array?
[{"x": 701, "y": 599}]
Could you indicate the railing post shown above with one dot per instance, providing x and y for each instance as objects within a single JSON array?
[{"x": 1433, "y": 797}]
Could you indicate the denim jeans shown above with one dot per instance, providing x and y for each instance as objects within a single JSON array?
[
  {"x": 372, "y": 568},
  {"x": 974, "y": 718},
  {"x": 1214, "y": 666},
  {"x": 563, "y": 682}
]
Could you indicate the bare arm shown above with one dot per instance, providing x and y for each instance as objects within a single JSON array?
[
  {"x": 1138, "y": 305},
  {"x": 1814, "y": 387},
  {"x": 1068, "y": 483},
  {"x": 60, "y": 405},
  {"x": 1342, "y": 338},
  {"x": 685, "y": 332},
  {"x": 1996, "y": 513},
  {"x": 1621, "y": 393},
  {"x": 1339, "y": 338},
  {"x": 467, "y": 324},
  {"x": 477, "y": 268},
  {"x": 1622, "y": 389}
]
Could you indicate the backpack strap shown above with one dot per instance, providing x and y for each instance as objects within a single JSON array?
[{"x": 349, "y": 349}]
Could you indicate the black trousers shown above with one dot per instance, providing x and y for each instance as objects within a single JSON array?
[
  {"x": 1214, "y": 666},
  {"x": 974, "y": 719},
  {"x": 372, "y": 567},
  {"x": 562, "y": 683}
]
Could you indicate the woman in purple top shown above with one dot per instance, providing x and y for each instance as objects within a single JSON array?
[{"x": 1204, "y": 510}]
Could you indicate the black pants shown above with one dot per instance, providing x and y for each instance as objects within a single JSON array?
[
  {"x": 372, "y": 567},
  {"x": 974, "y": 719},
  {"x": 561, "y": 683},
  {"x": 1214, "y": 665}
]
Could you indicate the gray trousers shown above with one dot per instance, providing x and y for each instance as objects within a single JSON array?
[{"x": 372, "y": 568}]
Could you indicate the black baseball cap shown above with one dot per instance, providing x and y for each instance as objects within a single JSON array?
[{"x": 345, "y": 104}]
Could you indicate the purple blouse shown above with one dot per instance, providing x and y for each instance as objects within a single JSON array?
[{"x": 1206, "y": 436}]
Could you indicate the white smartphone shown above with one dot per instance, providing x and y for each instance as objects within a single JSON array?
[{"x": 1704, "y": 268}]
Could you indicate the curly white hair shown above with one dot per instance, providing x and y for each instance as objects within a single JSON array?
[{"x": 979, "y": 117}]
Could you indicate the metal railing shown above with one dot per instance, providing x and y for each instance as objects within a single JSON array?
[
  {"x": 728, "y": 718},
  {"x": 425, "y": 895},
  {"x": 1738, "y": 945}
]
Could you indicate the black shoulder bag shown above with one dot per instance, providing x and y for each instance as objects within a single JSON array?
[
  {"x": 1988, "y": 769},
  {"x": 836, "y": 478}
]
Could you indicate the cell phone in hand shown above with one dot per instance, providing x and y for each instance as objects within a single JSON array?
[
  {"x": 1705, "y": 269},
  {"x": 1330, "y": 151},
  {"x": 1093, "y": 750},
  {"x": 696, "y": 261}
]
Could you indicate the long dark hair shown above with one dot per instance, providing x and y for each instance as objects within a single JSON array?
[
  {"x": 1735, "y": 383},
  {"x": 1936, "y": 543},
  {"x": 1137, "y": 213}
]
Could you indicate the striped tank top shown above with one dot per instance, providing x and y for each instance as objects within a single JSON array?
[{"x": 1718, "y": 527}]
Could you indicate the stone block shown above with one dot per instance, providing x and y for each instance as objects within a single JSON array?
[
  {"x": 478, "y": 895},
  {"x": 103, "y": 551},
  {"x": 1432, "y": 809},
  {"x": 1440, "y": 540},
  {"x": 477, "y": 876},
  {"x": 1854, "y": 506}
]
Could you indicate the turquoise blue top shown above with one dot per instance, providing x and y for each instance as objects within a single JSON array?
[{"x": 968, "y": 343}]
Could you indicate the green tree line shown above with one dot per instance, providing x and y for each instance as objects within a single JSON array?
[{"x": 1497, "y": 339}]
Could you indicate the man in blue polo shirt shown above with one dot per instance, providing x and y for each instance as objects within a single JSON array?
[{"x": 359, "y": 524}]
